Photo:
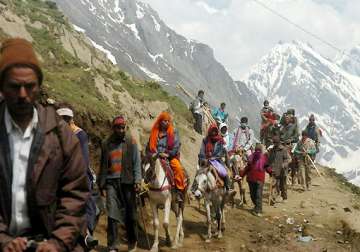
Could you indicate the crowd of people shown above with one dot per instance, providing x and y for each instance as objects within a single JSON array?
[
  {"x": 280, "y": 151},
  {"x": 49, "y": 192}
]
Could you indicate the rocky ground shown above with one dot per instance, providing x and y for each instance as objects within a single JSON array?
[{"x": 329, "y": 213}]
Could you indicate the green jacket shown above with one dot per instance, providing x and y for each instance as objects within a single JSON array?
[{"x": 308, "y": 146}]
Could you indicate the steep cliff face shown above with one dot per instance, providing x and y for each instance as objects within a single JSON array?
[{"x": 143, "y": 45}]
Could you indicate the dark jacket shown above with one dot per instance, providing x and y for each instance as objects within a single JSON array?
[
  {"x": 219, "y": 151},
  {"x": 279, "y": 160},
  {"x": 56, "y": 185},
  {"x": 131, "y": 163},
  {"x": 289, "y": 133},
  {"x": 313, "y": 132}
]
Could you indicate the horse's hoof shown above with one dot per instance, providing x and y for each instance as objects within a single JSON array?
[
  {"x": 220, "y": 236},
  {"x": 168, "y": 243},
  {"x": 174, "y": 247},
  {"x": 154, "y": 249},
  {"x": 207, "y": 240}
]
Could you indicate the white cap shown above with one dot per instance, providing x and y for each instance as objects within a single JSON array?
[{"x": 65, "y": 112}]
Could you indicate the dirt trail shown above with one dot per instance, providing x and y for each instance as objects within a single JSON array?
[{"x": 320, "y": 211}]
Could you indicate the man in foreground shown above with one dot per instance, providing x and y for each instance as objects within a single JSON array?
[
  {"x": 120, "y": 176},
  {"x": 43, "y": 183}
]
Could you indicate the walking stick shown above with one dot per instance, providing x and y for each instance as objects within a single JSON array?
[
  {"x": 312, "y": 162},
  {"x": 317, "y": 170},
  {"x": 270, "y": 191},
  {"x": 142, "y": 219}
]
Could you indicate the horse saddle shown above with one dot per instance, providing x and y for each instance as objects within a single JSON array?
[{"x": 219, "y": 171}]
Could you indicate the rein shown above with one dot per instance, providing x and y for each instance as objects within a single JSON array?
[{"x": 162, "y": 187}]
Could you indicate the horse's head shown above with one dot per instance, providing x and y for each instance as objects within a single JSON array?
[
  {"x": 238, "y": 159},
  {"x": 149, "y": 163},
  {"x": 200, "y": 184}
]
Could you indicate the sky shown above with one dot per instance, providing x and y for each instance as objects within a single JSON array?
[{"x": 241, "y": 32}]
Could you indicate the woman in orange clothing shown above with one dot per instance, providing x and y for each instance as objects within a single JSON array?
[{"x": 164, "y": 141}]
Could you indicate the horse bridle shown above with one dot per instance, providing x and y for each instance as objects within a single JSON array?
[{"x": 151, "y": 161}]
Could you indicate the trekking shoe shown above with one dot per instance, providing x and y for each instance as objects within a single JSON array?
[
  {"x": 90, "y": 242},
  {"x": 132, "y": 247},
  {"x": 179, "y": 196},
  {"x": 255, "y": 213}
]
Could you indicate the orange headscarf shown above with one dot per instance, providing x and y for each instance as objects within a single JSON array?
[{"x": 156, "y": 129}]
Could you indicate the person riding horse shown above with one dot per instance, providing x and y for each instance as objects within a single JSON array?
[
  {"x": 269, "y": 124},
  {"x": 165, "y": 142},
  {"x": 213, "y": 153}
]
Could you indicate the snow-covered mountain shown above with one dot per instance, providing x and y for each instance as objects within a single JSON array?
[
  {"x": 143, "y": 45},
  {"x": 294, "y": 75},
  {"x": 350, "y": 61}
]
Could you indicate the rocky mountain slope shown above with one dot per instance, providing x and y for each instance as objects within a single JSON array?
[
  {"x": 294, "y": 75},
  {"x": 79, "y": 74},
  {"x": 143, "y": 45}
]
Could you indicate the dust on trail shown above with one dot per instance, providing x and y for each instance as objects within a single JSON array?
[{"x": 320, "y": 211}]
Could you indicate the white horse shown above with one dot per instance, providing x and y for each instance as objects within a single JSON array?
[
  {"x": 160, "y": 195},
  {"x": 238, "y": 164},
  {"x": 206, "y": 186}
]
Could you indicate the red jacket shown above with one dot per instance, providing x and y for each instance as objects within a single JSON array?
[{"x": 257, "y": 165}]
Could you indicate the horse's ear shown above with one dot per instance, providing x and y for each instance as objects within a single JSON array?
[{"x": 154, "y": 157}]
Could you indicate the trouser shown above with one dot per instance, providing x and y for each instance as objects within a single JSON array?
[
  {"x": 179, "y": 174},
  {"x": 304, "y": 169},
  {"x": 127, "y": 197},
  {"x": 256, "y": 193},
  {"x": 281, "y": 186},
  {"x": 90, "y": 208},
  {"x": 198, "y": 123}
]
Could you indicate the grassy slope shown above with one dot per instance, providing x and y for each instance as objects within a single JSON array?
[{"x": 67, "y": 79}]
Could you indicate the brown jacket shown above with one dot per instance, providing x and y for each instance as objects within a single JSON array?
[
  {"x": 56, "y": 184},
  {"x": 279, "y": 160}
]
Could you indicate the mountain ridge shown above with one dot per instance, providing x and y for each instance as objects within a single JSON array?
[
  {"x": 146, "y": 47},
  {"x": 295, "y": 75}
]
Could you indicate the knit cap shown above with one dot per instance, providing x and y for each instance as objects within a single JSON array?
[{"x": 18, "y": 51}]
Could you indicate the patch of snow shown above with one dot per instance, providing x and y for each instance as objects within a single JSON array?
[
  {"x": 135, "y": 31},
  {"x": 156, "y": 56},
  {"x": 108, "y": 54},
  {"x": 151, "y": 75},
  {"x": 140, "y": 13},
  {"x": 192, "y": 51},
  {"x": 156, "y": 23},
  {"x": 78, "y": 29},
  {"x": 131, "y": 59},
  {"x": 117, "y": 6}
]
